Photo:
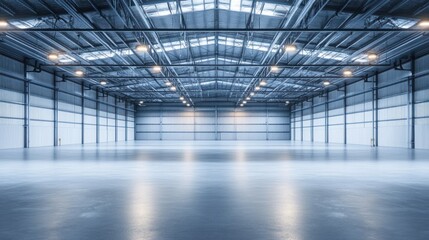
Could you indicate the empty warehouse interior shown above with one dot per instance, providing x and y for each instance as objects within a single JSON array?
[{"x": 214, "y": 119}]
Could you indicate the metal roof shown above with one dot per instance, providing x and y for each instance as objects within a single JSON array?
[{"x": 213, "y": 50}]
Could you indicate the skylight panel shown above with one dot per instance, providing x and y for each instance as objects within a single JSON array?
[
  {"x": 64, "y": 58},
  {"x": 331, "y": 55},
  {"x": 26, "y": 24}
]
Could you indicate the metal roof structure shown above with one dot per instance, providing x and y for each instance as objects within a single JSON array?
[{"x": 213, "y": 51}]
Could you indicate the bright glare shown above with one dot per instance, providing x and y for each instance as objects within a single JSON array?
[
  {"x": 3, "y": 23},
  {"x": 274, "y": 69},
  {"x": 348, "y": 73},
  {"x": 263, "y": 83},
  {"x": 168, "y": 84},
  {"x": 79, "y": 72},
  {"x": 103, "y": 82},
  {"x": 241, "y": 105},
  {"x": 182, "y": 98},
  {"x": 248, "y": 98},
  {"x": 257, "y": 88},
  {"x": 290, "y": 48},
  {"x": 141, "y": 102},
  {"x": 173, "y": 88},
  {"x": 424, "y": 23},
  {"x": 244, "y": 102},
  {"x": 372, "y": 56},
  {"x": 141, "y": 48},
  {"x": 157, "y": 69},
  {"x": 188, "y": 105},
  {"x": 184, "y": 102},
  {"x": 252, "y": 94},
  {"x": 53, "y": 56},
  {"x": 287, "y": 102},
  {"x": 326, "y": 83}
]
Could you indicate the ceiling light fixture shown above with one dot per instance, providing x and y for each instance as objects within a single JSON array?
[
  {"x": 372, "y": 56},
  {"x": 248, "y": 98},
  {"x": 274, "y": 69},
  {"x": 290, "y": 48},
  {"x": 53, "y": 56},
  {"x": 184, "y": 102},
  {"x": 326, "y": 83},
  {"x": 252, "y": 94},
  {"x": 182, "y": 98},
  {"x": 244, "y": 102},
  {"x": 157, "y": 68},
  {"x": 257, "y": 88},
  {"x": 287, "y": 102},
  {"x": 142, "y": 48},
  {"x": 141, "y": 102},
  {"x": 424, "y": 23},
  {"x": 103, "y": 82},
  {"x": 168, "y": 84},
  {"x": 348, "y": 73},
  {"x": 173, "y": 88},
  {"x": 241, "y": 105},
  {"x": 188, "y": 105},
  {"x": 3, "y": 23},
  {"x": 79, "y": 72},
  {"x": 263, "y": 83}
]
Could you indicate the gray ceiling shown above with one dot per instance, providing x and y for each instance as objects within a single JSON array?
[{"x": 212, "y": 66}]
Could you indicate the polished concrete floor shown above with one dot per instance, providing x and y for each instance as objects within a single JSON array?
[{"x": 214, "y": 190}]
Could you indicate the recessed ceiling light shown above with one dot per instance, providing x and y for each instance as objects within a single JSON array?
[
  {"x": 372, "y": 56},
  {"x": 241, "y": 105},
  {"x": 173, "y": 88},
  {"x": 3, "y": 23},
  {"x": 142, "y": 48},
  {"x": 252, "y": 94},
  {"x": 103, "y": 82},
  {"x": 248, "y": 98},
  {"x": 287, "y": 102},
  {"x": 188, "y": 105},
  {"x": 156, "y": 68},
  {"x": 274, "y": 69},
  {"x": 53, "y": 56},
  {"x": 263, "y": 83},
  {"x": 244, "y": 102},
  {"x": 257, "y": 88},
  {"x": 182, "y": 98},
  {"x": 184, "y": 102},
  {"x": 424, "y": 23},
  {"x": 79, "y": 72},
  {"x": 290, "y": 48},
  {"x": 326, "y": 83},
  {"x": 168, "y": 84},
  {"x": 348, "y": 73},
  {"x": 141, "y": 102}
]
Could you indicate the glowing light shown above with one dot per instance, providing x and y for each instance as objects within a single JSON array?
[
  {"x": 326, "y": 83},
  {"x": 287, "y": 102},
  {"x": 103, "y": 82},
  {"x": 142, "y": 48},
  {"x": 173, "y": 88},
  {"x": 252, "y": 94},
  {"x": 424, "y": 23},
  {"x": 168, "y": 84},
  {"x": 3, "y": 23},
  {"x": 241, "y": 105},
  {"x": 348, "y": 73},
  {"x": 188, "y": 105},
  {"x": 257, "y": 88},
  {"x": 182, "y": 98},
  {"x": 290, "y": 48},
  {"x": 79, "y": 72},
  {"x": 263, "y": 83},
  {"x": 157, "y": 69},
  {"x": 274, "y": 69},
  {"x": 53, "y": 56},
  {"x": 248, "y": 98},
  {"x": 184, "y": 102},
  {"x": 244, "y": 102},
  {"x": 141, "y": 102},
  {"x": 372, "y": 56}
]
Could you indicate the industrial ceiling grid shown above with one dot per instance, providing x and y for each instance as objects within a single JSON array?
[{"x": 212, "y": 51}]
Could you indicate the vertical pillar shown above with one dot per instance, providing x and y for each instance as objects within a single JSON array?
[
  {"x": 82, "y": 114},
  {"x": 160, "y": 123},
  {"x": 375, "y": 110},
  {"x": 26, "y": 107},
  {"x": 97, "y": 116},
  {"x": 216, "y": 124},
  {"x": 126, "y": 120},
  {"x": 55, "y": 109},
  {"x": 302, "y": 121},
  {"x": 312, "y": 121},
  {"x": 411, "y": 105},
  {"x": 345, "y": 113},
  {"x": 266, "y": 122},
  {"x": 116, "y": 119},
  {"x": 327, "y": 118}
]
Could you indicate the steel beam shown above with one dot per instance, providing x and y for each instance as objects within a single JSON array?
[
  {"x": 214, "y": 78},
  {"x": 217, "y": 30}
]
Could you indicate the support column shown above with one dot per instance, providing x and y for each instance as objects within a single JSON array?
[
  {"x": 312, "y": 121},
  {"x": 97, "y": 116},
  {"x": 327, "y": 118},
  {"x": 82, "y": 113},
  {"x": 345, "y": 113},
  {"x": 302, "y": 121},
  {"x": 116, "y": 119},
  {"x": 26, "y": 107},
  {"x": 411, "y": 105},
  {"x": 375, "y": 111},
  {"x": 126, "y": 120},
  {"x": 55, "y": 109}
]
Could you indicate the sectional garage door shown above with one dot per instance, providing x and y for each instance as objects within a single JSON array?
[{"x": 215, "y": 123}]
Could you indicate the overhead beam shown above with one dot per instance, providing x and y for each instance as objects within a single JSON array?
[
  {"x": 216, "y": 65},
  {"x": 218, "y": 30},
  {"x": 214, "y": 77}
]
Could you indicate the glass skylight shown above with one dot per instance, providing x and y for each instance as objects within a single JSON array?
[
  {"x": 331, "y": 55},
  {"x": 24, "y": 24},
  {"x": 261, "y": 8}
]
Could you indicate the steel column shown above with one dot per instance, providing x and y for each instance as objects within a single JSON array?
[
  {"x": 375, "y": 111},
  {"x": 26, "y": 107},
  {"x": 411, "y": 105},
  {"x": 55, "y": 109}
]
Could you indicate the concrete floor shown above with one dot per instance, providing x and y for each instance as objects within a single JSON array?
[{"x": 214, "y": 190}]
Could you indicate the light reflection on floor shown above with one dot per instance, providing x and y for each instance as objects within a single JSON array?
[{"x": 214, "y": 190}]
